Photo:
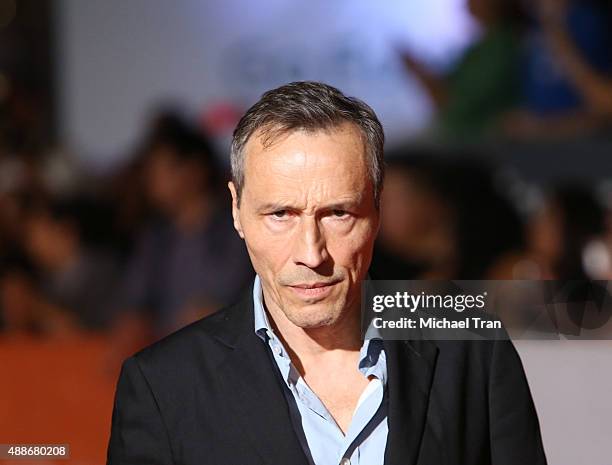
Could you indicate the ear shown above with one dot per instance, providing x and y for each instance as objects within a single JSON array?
[{"x": 235, "y": 209}]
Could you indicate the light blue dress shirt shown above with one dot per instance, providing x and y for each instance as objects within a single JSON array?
[{"x": 323, "y": 441}]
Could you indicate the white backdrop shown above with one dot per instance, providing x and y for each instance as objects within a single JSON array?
[{"x": 118, "y": 59}]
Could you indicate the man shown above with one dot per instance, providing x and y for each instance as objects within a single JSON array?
[{"x": 283, "y": 377}]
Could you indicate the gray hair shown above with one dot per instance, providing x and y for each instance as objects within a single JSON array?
[{"x": 310, "y": 106}]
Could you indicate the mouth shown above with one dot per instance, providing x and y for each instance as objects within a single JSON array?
[{"x": 310, "y": 290}]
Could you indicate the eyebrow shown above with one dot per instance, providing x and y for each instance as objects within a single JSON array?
[
  {"x": 273, "y": 206},
  {"x": 347, "y": 204}
]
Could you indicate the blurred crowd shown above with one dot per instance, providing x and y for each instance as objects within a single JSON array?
[
  {"x": 457, "y": 217},
  {"x": 139, "y": 252},
  {"x": 537, "y": 70},
  {"x": 149, "y": 247}
]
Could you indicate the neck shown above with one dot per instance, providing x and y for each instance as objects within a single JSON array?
[{"x": 339, "y": 342}]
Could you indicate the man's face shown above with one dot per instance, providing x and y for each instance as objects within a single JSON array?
[
  {"x": 169, "y": 179},
  {"x": 308, "y": 218}
]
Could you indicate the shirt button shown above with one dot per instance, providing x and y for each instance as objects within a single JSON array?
[
  {"x": 345, "y": 461},
  {"x": 277, "y": 350}
]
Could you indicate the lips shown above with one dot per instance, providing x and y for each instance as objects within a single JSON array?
[
  {"x": 311, "y": 291},
  {"x": 312, "y": 286}
]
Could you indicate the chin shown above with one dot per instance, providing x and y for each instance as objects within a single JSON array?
[{"x": 313, "y": 316}]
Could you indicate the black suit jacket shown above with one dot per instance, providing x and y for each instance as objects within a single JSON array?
[{"x": 208, "y": 394}]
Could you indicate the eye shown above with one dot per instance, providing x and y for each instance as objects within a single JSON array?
[
  {"x": 339, "y": 213},
  {"x": 279, "y": 214}
]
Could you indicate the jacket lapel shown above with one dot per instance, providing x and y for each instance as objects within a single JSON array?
[
  {"x": 248, "y": 376},
  {"x": 411, "y": 365}
]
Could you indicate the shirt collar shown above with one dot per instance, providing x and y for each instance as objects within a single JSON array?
[{"x": 262, "y": 324}]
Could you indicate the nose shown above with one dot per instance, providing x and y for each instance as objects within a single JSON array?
[{"x": 309, "y": 247}]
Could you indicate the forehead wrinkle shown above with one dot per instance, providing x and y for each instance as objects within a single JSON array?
[
  {"x": 311, "y": 199},
  {"x": 308, "y": 169}
]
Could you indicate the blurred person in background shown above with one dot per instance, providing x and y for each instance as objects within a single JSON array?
[
  {"x": 569, "y": 219},
  {"x": 187, "y": 261},
  {"x": 127, "y": 189},
  {"x": 417, "y": 231},
  {"x": 25, "y": 312},
  {"x": 21, "y": 181},
  {"x": 589, "y": 69},
  {"x": 558, "y": 233},
  {"x": 75, "y": 277},
  {"x": 443, "y": 217},
  {"x": 481, "y": 87},
  {"x": 488, "y": 223},
  {"x": 557, "y": 100},
  {"x": 20, "y": 314}
]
